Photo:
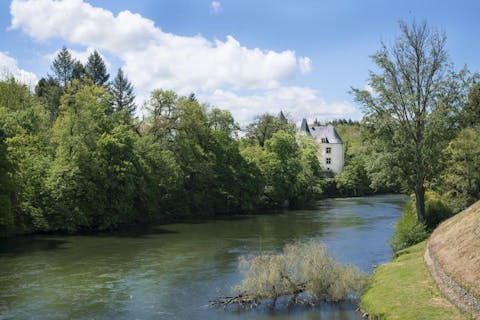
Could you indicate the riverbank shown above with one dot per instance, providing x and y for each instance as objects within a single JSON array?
[{"x": 403, "y": 289}]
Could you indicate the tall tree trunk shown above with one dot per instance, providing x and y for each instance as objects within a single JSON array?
[{"x": 420, "y": 201}]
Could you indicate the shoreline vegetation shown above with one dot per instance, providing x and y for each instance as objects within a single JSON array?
[
  {"x": 74, "y": 157},
  {"x": 437, "y": 278},
  {"x": 403, "y": 289}
]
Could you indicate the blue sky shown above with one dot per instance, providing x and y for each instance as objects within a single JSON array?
[{"x": 246, "y": 56}]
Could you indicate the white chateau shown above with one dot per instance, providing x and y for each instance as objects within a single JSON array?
[{"x": 331, "y": 152}]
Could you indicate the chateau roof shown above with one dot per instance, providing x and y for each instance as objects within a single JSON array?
[
  {"x": 304, "y": 126},
  {"x": 328, "y": 132},
  {"x": 318, "y": 132}
]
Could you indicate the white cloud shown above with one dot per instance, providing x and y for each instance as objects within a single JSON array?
[
  {"x": 9, "y": 67},
  {"x": 298, "y": 102},
  {"x": 215, "y": 7},
  {"x": 152, "y": 57},
  {"x": 305, "y": 64},
  {"x": 218, "y": 71}
]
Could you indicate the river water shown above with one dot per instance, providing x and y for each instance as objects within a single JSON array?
[{"x": 171, "y": 271}]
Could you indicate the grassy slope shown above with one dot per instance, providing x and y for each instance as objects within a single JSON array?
[
  {"x": 455, "y": 244},
  {"x": 403, "y": 289}
]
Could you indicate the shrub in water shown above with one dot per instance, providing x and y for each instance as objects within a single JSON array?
[{"x": 303, "y": 269}]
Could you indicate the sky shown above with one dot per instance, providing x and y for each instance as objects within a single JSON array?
[{"x": 247, "y": 56}]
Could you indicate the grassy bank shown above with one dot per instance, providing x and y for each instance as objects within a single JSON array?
[{"x": 403, "y": 289}]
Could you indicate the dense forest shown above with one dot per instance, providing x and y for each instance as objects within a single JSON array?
[{"x": 75, "y": 156}]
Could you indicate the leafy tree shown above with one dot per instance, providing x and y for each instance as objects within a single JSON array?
[
  {"x": 406, "y": 111},
  {"x": 96, "y": 70},
  {"x": 122, "y": 94},
  {"x": 280, "y": 164},
  {"x": 309, "y": 180},
  {"x": 354, "y": 180},
  {"x": 76, "y": 199},
  {"x": 265, "y": 126},
  {"x": 6, "y": 189},
  {"x": 63, "y": 66},
  {"x": 222, "y": 120},
  {"x": 49, "y": 93},
  {"x": 14, "y": 95},
  {"x": 162, "y": 117},
  {"x": 471, "y": 112},
  {"x": 461, "y": 178}
]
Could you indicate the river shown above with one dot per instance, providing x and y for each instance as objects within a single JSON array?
[{"x": 171, "y": 271}]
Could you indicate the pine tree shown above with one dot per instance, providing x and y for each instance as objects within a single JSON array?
[
  {"x": 78, "y": 71},
  {"x": 122, "y": 91},
  {"x": 96, "y": 70},
  {"x": 63, "y": 67}
]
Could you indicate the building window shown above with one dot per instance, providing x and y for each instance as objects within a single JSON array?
[
  {"x": 328, "y": 160},
  {"x": 328, "y": 150},
  {"x": 324, "y": 140}
]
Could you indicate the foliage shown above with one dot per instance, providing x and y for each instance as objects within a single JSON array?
[
  {"x": 302, "y": 267},
  {"x": 406, "y": 113},
  {"x": 62, "y": 67},
  {"x": 408, "y": 230},
  {"x": 460, "y": 180},
  {"x": 122, "y": 94},
  {"x": 6, "y": 212},
  {"x": 96, "y": 70},
  {"x": 403, "y": 289},
  {"x": 266, "y": 125},
  {"x": 49, "y": 92},
  {"x": 437, "y": 209},
  {"x": 470, "y": 116}
]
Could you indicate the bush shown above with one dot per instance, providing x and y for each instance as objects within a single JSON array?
[
  {"x": 408, "y": 230},
  {"x": 303, "y": 268},
  {"x": 436, "y": 210}
]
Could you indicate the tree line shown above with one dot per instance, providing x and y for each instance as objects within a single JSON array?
[{"x": 74, "y": 157}]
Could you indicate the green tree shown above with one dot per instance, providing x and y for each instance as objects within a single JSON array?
[
  {"x": 49, "y": 92},
  {"x": 63, "y": 66},
  {"x": 266, "y": 125},
  {"x": 76, "y": 199},
  {"x": 6, "y": 189},
  {"x": 471, "y": 112},
  {"x": 309, "y": 180},
  {"x": 461, "y": 178},
  {"x": 406, "y": 110},
  {"x": 96, "y": 70},
  {"x": 122, "y": 94},
  {"x": 162, "y": 114},
  {"x": 222, "y": 120},
  {"x": 78, "y": 71}
]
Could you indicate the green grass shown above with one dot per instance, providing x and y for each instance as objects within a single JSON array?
[{"x": 403, "y": 289}]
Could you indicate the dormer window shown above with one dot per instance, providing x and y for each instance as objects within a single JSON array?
[{"x": 324, "y": 140}]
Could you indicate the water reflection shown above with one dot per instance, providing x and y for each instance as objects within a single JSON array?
[{"x": 171, "y": 271}]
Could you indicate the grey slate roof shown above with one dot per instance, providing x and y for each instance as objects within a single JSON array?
[
  {"x": 319, "y": 132},
  {"x": 329, "y": 132},
  {"x": 304, "y": 126}
]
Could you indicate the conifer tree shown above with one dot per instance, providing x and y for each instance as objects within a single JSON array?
[
  {"x": 96, "y": 70},
  {"x": 122, "y": 92},
  {"x": 63, "y": 66}
]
